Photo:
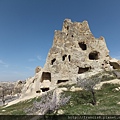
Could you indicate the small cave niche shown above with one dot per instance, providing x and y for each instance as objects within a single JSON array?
[
  {"x": 69, "y": 58},
  {"x": 38, "y": 91},
  {"x": 46, "y": 76},
  {"x": 63, "y": 57},
  {"x": 72, "y": 36},
  {"x": 82, "y": 70},
  {"x": 44, "y": 89},
  {"x": 94, "y": 55},
  {"x": 62, "y": 81},
  {"x": 82, "y": 45},
  {"x": 53, "y": 61}
]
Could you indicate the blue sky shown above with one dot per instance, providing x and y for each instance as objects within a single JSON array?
[{"x": 27, "y": 30}]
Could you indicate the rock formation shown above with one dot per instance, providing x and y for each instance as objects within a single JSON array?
[{"x": 74, "y": 51}]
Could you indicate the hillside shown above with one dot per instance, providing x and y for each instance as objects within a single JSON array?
[{"x": 108, "y": 100}]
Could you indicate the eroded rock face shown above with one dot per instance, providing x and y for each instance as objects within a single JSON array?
[{"x": 75, "y": 50}]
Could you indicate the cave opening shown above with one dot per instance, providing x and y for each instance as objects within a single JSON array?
[
  {"x": 38, "y": 91},
  {"x": 52, "y": 61},
  {"x": 82, "y": 45},
  {"x": 44, "y": 89},
  {"x": 69, "y": 57},
  {"x": 67, "y": 27},
  {"x": 46, "y": 76},
  {"x": 94, "y": 55},
  {"x": 62, "y": 81},
  {"x": 63, "y": 57},
  {"x": 82, "y": 70}
]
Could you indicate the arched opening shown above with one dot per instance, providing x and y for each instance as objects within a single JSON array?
[
  {"x": 46, "y": 76},
  {"x": 82, "y": 70},
  {"x": 52, "y": 61},
  {"x": 94, "y": 55},
  {"x": 69, "y": 57},
  {"x": 63, "y": 57},
  {"x": 82, "y": 45}
]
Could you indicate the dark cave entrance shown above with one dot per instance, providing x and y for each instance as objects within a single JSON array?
[
  {"x": 62, "y": 81},
  {"x": 82, "y": 45},
  {"x": 94, "y": 55},
  {"x": 46, "y": 76},
  {"x": 82, "y": 70},
  {"x": 44, "y": 89}
]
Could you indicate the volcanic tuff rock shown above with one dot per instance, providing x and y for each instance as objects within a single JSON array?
[{"x": 74, "y": 51}]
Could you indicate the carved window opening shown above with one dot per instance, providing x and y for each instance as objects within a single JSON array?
[
  {"x": 72, "y": 36},
  {"x": 46, "y": 76},
  {"x": 67, "y": 27},
  {"x": 82, "y": 45},
  {"x": 52, "y": 61},
  {"x": 82, "y": 70},
  {"x": 69, "y": 57},
  {"x": 62, "y": 81},
  {"x": 94, "y": 55},
  {"x": 63, "y": 57},
  {"x": 44, "y": 89}
]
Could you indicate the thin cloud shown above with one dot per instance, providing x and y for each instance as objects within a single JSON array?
[
  {"x": 39, "y": 58},
  {"x": 29, "y": 68},
  {"x": 117, "y": 57},
  {"x": 2, "y": 63},
  {"x": 35, "y": 59},
  {"x": 31, "y": 60}
]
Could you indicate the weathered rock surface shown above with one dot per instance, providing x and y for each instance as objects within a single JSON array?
[
  {"x": 38, "y": 69},
  {"x": 75, "y": 51},
  {"x": 117, "y": 73}
]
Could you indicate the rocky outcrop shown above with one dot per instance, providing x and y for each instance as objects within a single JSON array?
[
  {"x": 74, "y": 52},
  {"x": 38, "y": 69}
]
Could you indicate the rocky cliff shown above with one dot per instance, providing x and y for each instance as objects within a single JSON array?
[{"x": 74, "y": 52}]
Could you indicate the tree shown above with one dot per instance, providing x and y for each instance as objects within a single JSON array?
[
  {"x": 3, "y": 98},
  {"x": 89, "y": 84}
]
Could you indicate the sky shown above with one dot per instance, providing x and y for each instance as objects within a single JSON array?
[{"x": 27, "y": 30}]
